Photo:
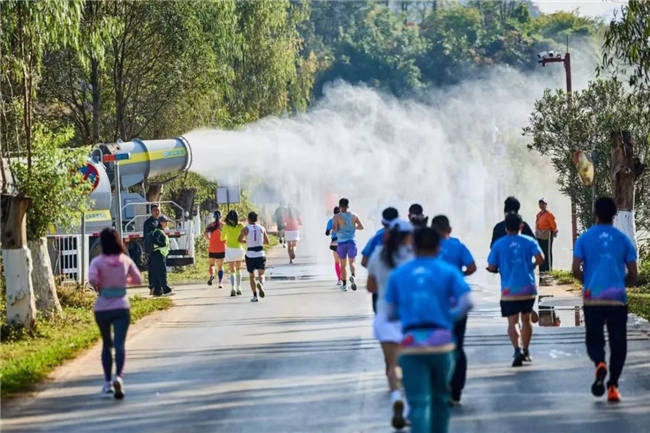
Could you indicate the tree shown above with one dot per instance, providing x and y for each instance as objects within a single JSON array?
[
  {"x": 59, "y": 196},
  {"x": 627, "y": 41},
  {"x": 559, "y": 129}
]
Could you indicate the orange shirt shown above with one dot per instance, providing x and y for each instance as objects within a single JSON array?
[
  {"x": 546, "y": 222},
  {"x": 216, "y": 244}
]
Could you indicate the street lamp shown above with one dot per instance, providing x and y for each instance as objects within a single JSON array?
[{"x": 551, "y": 57}]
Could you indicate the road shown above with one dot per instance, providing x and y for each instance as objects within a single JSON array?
[{"x": 303, "y": 360}]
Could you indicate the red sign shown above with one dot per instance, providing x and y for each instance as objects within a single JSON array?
[{"x": 90, "y": 174}]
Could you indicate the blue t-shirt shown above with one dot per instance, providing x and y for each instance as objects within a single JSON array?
[
  {"x": 454, "y": 252},
  {"x": 376, "y": 240},
  {"x": 421, "y": 291},
  {"x": 330, "y": 223},
  {"x": 513, "y": 256},
  {"x": 605, "y": 250}
]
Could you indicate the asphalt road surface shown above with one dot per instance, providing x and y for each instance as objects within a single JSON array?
[{"x": 304, "y": 360}]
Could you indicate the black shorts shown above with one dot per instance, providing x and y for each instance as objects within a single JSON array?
[
  {"x": 333, "y": 247},
  {"x": 512, "y": 308},
  {"x": 255, "y": 264},
  {"x": 217, "y": 255}
]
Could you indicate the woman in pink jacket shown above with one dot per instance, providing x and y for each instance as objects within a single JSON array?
[{"x": 109, "y": 274}]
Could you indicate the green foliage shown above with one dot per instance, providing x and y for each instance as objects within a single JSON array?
[
  {"x": 627, "y": 44},
  {"x": 58, "y": 191},
  {"x": 559, "y": 129}
]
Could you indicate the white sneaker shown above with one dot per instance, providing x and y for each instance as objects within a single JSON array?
[
  {"x": 344, "y": 288},
  {"x": 339, "y": 282},
  {"x": 107, "y": 390},
  {"x": 254, "y": 299},
  {"x": 118, "y": 384}
]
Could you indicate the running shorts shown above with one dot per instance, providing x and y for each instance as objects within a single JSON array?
[
  {"x": 220, "y": 255},
  {"x": 281, "y": 226},
  {"x": 234, "y": 254},
  {"x": 291, "y": 235},
  {"x": 347, "y": 250},
  {"x": 334, "y": 248},
  {"x": 387, "y": 331},
  {"x": 512, "y": 308},
  {"x": 255, "y": 264}
]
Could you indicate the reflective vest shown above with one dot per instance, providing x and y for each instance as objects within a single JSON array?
[{"x": 163, "y": 250}]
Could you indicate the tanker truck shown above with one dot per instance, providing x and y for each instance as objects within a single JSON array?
[{"x": 148, "y": 158}]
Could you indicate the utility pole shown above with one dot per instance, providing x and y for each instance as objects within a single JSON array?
[
  {"x": 566, "y": 60},
  {"x": 626, "y": 169}
]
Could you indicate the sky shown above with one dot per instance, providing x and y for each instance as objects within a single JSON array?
[{"x": 592, "y": 8}]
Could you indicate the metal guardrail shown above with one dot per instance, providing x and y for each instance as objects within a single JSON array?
[{"x": 132, "y": 221}]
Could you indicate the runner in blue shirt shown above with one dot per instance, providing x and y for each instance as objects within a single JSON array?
[
  {"x": 606, "y": 253},
  {"x": 512, "y": 257},
  {"x": 419, "y": 293},
  {"x": 454, "y": 252}
]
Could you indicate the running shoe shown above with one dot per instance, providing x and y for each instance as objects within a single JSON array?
[
  {"x": 291, "y": 261},
  {"x": 398, "y": 421},
  {"x": 233, "y": 293},
  {"x": 254, "y": 298},
  {"x": 260, "y": 289},
  {"x": 238, "y": 291},
  {"x": 220, "y": 285},
  {"x": 107, "y": 390},
  {"x": 598, "y": 387},
  {"x": 339, "y": 282},
  {"x": 118, "y": 384},
  {"x": 353, "y": 284},
  {"x": 518, "y": 358},
  {"x": 454, "y": 402},
  {"x": 612, "y": 394},
  {"x": 344, "y": 288},
  {"x": 210, "y": 280},
  {"x": 527, "y": 357}
]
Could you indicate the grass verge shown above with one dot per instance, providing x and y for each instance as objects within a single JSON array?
[
  {"x": 639, "y": 296},
  {"x": 27, "y": 358},
  {"x": 199, "y": 271}
]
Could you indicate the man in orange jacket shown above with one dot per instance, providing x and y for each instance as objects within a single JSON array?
[{"x": 545, "y": 232}]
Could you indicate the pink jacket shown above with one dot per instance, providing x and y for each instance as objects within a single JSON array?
[{"x": 113, "y": 272}]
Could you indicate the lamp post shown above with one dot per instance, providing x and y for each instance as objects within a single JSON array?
[
  {"x": 549, "y": 57},
  {"x": 118, "y": 186}
]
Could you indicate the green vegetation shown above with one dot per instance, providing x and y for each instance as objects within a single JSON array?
[{"x": 28, "y": 357}]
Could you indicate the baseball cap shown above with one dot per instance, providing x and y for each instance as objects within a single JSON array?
[
  {"x": 401, "y": 225},
  {"x": 543, "y": 200},
  {"x": 162, "y": 219}
]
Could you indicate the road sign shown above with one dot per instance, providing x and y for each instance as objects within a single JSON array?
[
  {"x": 498, "y": 150},
  {"x": 90, "y": 174}
]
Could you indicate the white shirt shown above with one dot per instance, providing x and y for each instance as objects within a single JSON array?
[
  {"x": 381, "y": 272},
  {"x": 255, "y": 238}
]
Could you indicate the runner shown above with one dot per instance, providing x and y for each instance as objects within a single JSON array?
[
  {"x": 109, "y": 274},
  {"x": 387, "y": 216},
  {"x": 217, "y": 247},
  {"x": 454, "y": 252},
  {"x": 279, "y": 215},
  {"x": 419, "y": 294},
  {"x": 416, "y": 216},
  {"x": 512, "y": 257},
  {"x": 396, "y": 250},
  {"x": 255, "y": 237},
  {"x": 510, "y": 205},
  {"x": 292, "y": 223},
  {"x": 346, "y": 225},
  {"x": 333, "y": 246},
  {"x": 234, "y": 252},
  {"x": 606, "y": 253}
]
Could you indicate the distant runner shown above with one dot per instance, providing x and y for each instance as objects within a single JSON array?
[
  {"x": 279, "y": 215},
  {"x": 334, "y": 245},
  {"x": 216, "y": 249},
  {"x": 234, "y": 252},
  {"x": 417, "y": 217},
  {"x": 606, "y": 253},
  {"x": 346, "y": 225},
  {"x": 512, "y": 257},
  {"x": 511, "y": 204},
  {"x": 255, "y": 237},
  {"x": 292, "y": 223},
  {"x": 454, "y": 252}
]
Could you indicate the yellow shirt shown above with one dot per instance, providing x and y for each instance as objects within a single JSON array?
[{"x": 230, "y": 234}]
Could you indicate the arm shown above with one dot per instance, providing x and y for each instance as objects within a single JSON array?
[
  {"x": 578, "y": 259},
  {"x": 367, "y": 252},
  {"x": 328, "y": 228},
  {"x": 223, "y": 234},
  {"x": 371, "y": 285},
  {"x": 631, "y": 264},
  {"x": 335, "y": 224},
  {"x": 493, "y": 261},
  {"x": 468, "y": 262},
  {"x": 357, "y": 223},
  {"x": 242, "y": 235},
  {"x": 538, "y": 255},
  {"x": 94, "y": 274},
  {"x": 266, "y": 237},
  {"x": 158, "y": 239},
  {"x": 133, "y": 275},
  {"x": 551, "y": 220},
  {"x": 461, "y": 291}
]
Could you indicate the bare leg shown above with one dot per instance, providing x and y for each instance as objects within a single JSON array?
[
  {"x": 391, "y": 350},
  {"x": 526, "y": 330},
  {"x": 513, "y": 330}
]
